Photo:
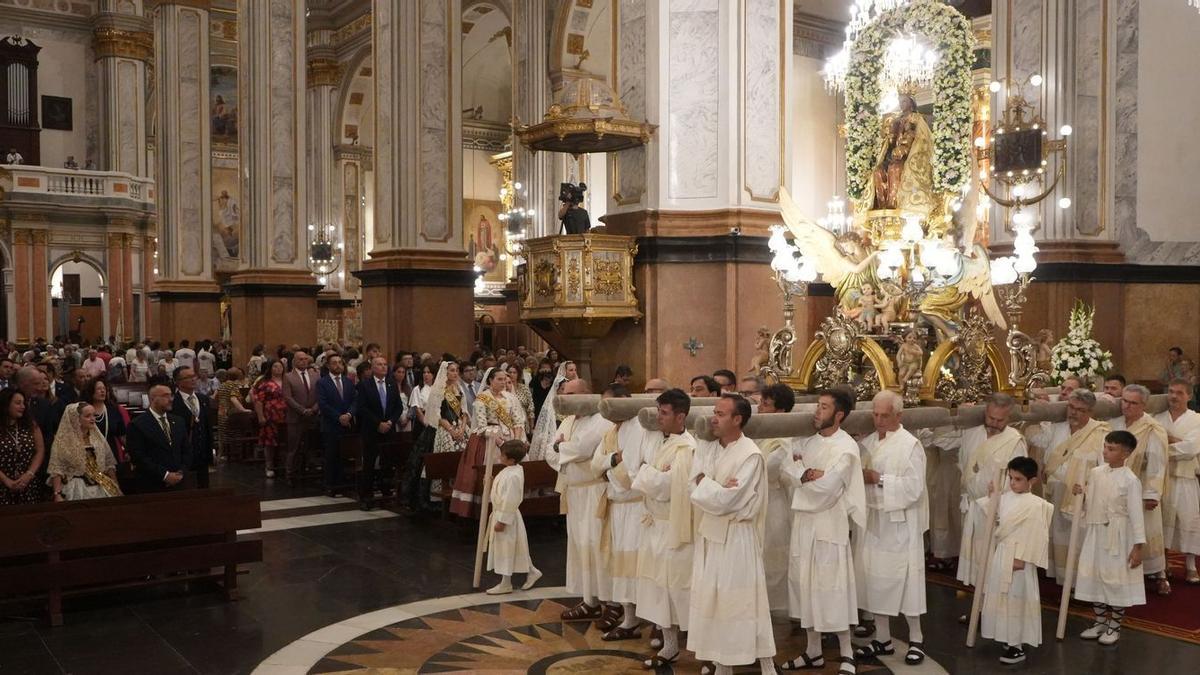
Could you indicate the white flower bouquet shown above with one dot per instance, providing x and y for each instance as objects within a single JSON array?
[{"x": 1078, "y": 353}]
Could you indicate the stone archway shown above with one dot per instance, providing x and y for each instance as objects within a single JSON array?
[{"x": 64, "y": 319}]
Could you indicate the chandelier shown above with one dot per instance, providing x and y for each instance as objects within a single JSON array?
[
  {"x": 907, "y": 64},
  {"x": 324, "y": 255},
  {"x": 1194, "y": 3},
  {"x": 862, "y": 13}
]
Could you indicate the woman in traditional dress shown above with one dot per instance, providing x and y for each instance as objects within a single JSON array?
[
  {"x": 495, "y": 418},
  {"x": 547, "y": 419},
  {"x": 452, "y": 421},
  {"x": 229, "y": 403},
  {"x": 270, "y": 407},
  {"x": 82, "y": 465},
  {"x": 21, "y": 451},
  {"x": 516, "y": 385}
]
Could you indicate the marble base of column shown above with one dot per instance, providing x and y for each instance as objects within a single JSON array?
[
  {"x": 184, "y": 310},
  {"x": 271, "y": 307},
  {"x": 419, "y": 301}
]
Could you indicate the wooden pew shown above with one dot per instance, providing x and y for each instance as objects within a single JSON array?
[
  {"x": 72, "y": 548},
  {"x": 443, "y": 466},
  {"x": 539, "y": 478}
]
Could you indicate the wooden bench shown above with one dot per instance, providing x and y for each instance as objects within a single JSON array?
[
  {"x": 443, "y": 466},
  {"x": 70, "y": 548},
  {"x": 540, "y": 479}
]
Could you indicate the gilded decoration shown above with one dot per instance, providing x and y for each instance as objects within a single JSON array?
[
  {"x": 545, "y": 278},
  {"x": 115, "y": 42},
  {"x": 573, "y": 278},
  {"x": 586, "y": 116},
  {"x": 608, "y": 277},
  {"x": 323, "y": 72}
]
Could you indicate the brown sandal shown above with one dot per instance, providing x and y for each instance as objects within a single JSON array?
[
  {"x": 610, "y": 618},
  {"x": 1162, "y": 586},
  {"x": 621, "y": 633},
  {"x": 582, "y": 612}
]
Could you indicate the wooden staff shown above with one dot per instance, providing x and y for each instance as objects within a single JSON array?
[
  {"x": 981, "y": 580},
  {"x": 1072, "y": 562},
  {"x": 484, "y": 506}
]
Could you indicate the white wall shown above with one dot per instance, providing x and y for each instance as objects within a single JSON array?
[
  {"x": 89, "y": 279},
  {"x": 480, "y": 179},
  {"x": 1168, "y": 117},
  {"x": 817, "y": 172}
]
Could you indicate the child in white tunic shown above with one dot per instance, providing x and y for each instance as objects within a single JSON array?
[
  {"x": 1012, "y": 603},
  {"x": 508, "y": 545},
  {"x": 1109, "y": 573}
]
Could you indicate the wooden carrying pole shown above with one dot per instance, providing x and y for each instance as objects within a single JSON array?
[
  {"x": 484, "y": 507},
  {"x": 981, "y": 580},
  {"x": 1072, "y": 564}
]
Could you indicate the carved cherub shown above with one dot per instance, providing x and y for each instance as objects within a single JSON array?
[
  {"x": 864, "y": 309},
  {"x": 909, "y": 358},
  {"x": 1045, "y": 349},
  {"x": 889, "y": 310},
  {"x": 762, "y": 344}
]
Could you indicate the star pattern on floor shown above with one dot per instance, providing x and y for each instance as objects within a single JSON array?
[{"x": 519, "y": 636}]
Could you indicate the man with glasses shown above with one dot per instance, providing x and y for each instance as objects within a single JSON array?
[{"x": 1149, "y": 463}]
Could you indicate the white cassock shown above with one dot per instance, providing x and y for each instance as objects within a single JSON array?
[
  {"x": 1012, "y": 605},
  {"x": 621, "y": 509},
  {"x": 821, "y": 585},
  {"x": 982, "y": 461},
  {"x": 890, "y": 554},
  {"x": 508, "y": 551},
  {"x": 1115, "y": 522},
  {"x": 1149, "y": 463},
  {"x": 1069, "y": 457},
  {"x": 1181, "y": 508},
  {"x": 778, "y": 532},
  {"x": 580, "y": 490},
  {"x": 730, "y": 617},
  {"x": 665, "y": 556},
  {"x": 944, "y": 479}
]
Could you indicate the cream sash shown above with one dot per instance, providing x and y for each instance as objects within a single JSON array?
[
  {"x": 1143, "y": 429},
  {"x": 1106, "y": 507},
  {"x": 821, "y": 453},
  {"x": 768, "y": 446},
  {"x": 993, "y": 451},
  {"x": 1024, "y": 534},
  {"x": 1181, "y": 428},
  {"x": 1075, "y": 450},
  {"x": 729, "y": 460},
  {"x": 892, "y": 456},
  {"x": 676, "y": 452},
  {"x": 565, "y": 429}
]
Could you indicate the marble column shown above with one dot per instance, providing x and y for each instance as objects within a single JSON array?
[
  {"x": 418, "y": 283},
  {"x": 321, "y": 96},
  {"x": 713, "y": 75},
  {"x": 40, "y": 284},
  {"x": 22, "y": 251},
  {"x": 273, "y": 293},
  {"x": 124, "y": 45},
  {"x": 183, "y": 290},
  {"x": 118, "y": 294},
  {"x": 532, "y": 97}
]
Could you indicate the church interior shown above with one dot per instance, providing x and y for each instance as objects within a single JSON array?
[{"x": 318, "y": 314}]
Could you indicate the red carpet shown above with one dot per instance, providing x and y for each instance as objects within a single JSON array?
[{"x": 1176, "y": 616}]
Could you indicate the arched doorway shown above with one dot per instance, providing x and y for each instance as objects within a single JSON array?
[{"x": 78, "y": 302}]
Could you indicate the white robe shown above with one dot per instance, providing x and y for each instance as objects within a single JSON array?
[
  {"x": 890, "y": 552},
  {"x": 1012, "y": 605},
  {"x": 821, "y": 584},
  {"x": 777, "y": 536},
  {"x": 1152, "y": 475},
  {"x": 944, "y": 481},
  {"x": 730, "y": 616},
  {"x": 508, "y": 551},
  {"x": 581, "y": 490},
  {"x": 622, "y": 523},
  {"x": 665, "y": 556},
  {"x": 1060, "y": 478},
  {"x": 980, "y": 468},
  {"x": 1181, "y": 508},
  {"x": 1115, "y": 522}
]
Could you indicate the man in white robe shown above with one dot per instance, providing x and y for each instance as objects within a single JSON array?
[
  {"x": 777, "y": 535},
  {"x": 1181, "y": 509},
  {"x": 1073, "y": 448},
  {"x": 1149, "y": 463},
  {"x": 890, "y": 558},
  {"x": 665, "y": 555},
  {"x": 580, "y": 490},
  {"x": 983, "y": 459},
  {"x": 730, "y": 618},
  {"x": 618, "y": 458},
  {"x": 828, "y": 494},
  {"x": 944, "y": 486}
]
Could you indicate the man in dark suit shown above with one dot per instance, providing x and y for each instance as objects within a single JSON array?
[
  {"x": 378, "y": 410},
  {"x": 194, "y": 409},
  {"x": 300, "y": 394},
  {"x": 335, "y": 398},
  {"x": 157, "y": 444}
]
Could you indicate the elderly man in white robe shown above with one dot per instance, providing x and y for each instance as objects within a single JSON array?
[
  {"x": 983, "y": 459},
  {"x": 1073, "y": 448},
  {"x": 665, "y": 555},
  {"x": 580, "y": 490},
  {"x": 777, "y": 398},
  {"x": 828, "y": 495},
  {"x": 1181, "y": 508},
  {"x": 891, "y": 555},
  {"x": 730, "y": 616},
  {"x": 1149, "y": 463}
]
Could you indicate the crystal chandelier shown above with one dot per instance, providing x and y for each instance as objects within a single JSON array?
[
  {"x": 1194, "y": 3},
  {"x": 862, "y": 13},
  {"x": 907, "y": 64}
]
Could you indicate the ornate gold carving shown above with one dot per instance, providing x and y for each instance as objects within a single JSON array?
[
  {"x": 115, "y": 42},
  {"x": 972, "y": 376},
  {"x": 545, "y": 278},
  {"x": 323, "y": 72},
  {"x": 586, "y": 116},
  {"x": 22, "y": 236},
  {"x": 608, "y": 277},
  {"x": 352, "y": 29},
  {"x": 41, "y": 236},
  {"x": 573, "y": 277}
]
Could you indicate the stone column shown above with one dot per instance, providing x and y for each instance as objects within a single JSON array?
[
  {"x": 123, "y": 44},
  {"x": 713, "y": 75},
  {"x": 321, "y": 96},
  {"x": 273, "y": 293},
  {"x": 22, "y": 251},
  {"x": 184, "y": 291},
  {"x": 40, "y": 285},
  {"x": 418, "y": 283},
  {"x": 533, "y": 96},
  {"x": 119, "y": 289}
]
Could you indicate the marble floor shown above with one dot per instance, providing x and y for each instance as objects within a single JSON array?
[{"x": 330, "y": 564}]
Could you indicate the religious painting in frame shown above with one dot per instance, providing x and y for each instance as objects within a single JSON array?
[
  {"x": 226, "y": 216},
  {"x": 484, "y": 237},
  {"x": 1017, "y": 151},
  {"x": 223, "y": 106},
  {"x": 57, "y": 113}
]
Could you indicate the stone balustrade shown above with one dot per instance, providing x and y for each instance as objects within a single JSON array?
[{"x": 41, "y": 183}]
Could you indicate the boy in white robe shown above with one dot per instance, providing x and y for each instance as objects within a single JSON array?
[
  {"x": 1109, "y": 560},
  {"x": 665, "y": 555},
  {"x": 1181, "y": 508},
  {"x": 730, "y": 618},
  {"x": 1149, "y": 463},
  {"x": 828, "y": 494},
  {"x": 581, "y": 490},
  {"x": 508, "y": 545},
  {"x": 1072, "y": 447},
  {"x": 890, "y": 555},
  {"x": 777, "y": 535},
  {"x": 1012, "y": 606}
]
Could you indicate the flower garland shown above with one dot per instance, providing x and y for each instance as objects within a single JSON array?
[
  {"x": 952, "y": 117},
  {"x": 1078, "y": 354}
]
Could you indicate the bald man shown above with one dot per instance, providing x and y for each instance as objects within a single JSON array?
[
  {"x": 656, "y": 385},
  {"x": 157, "y": 444}
]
